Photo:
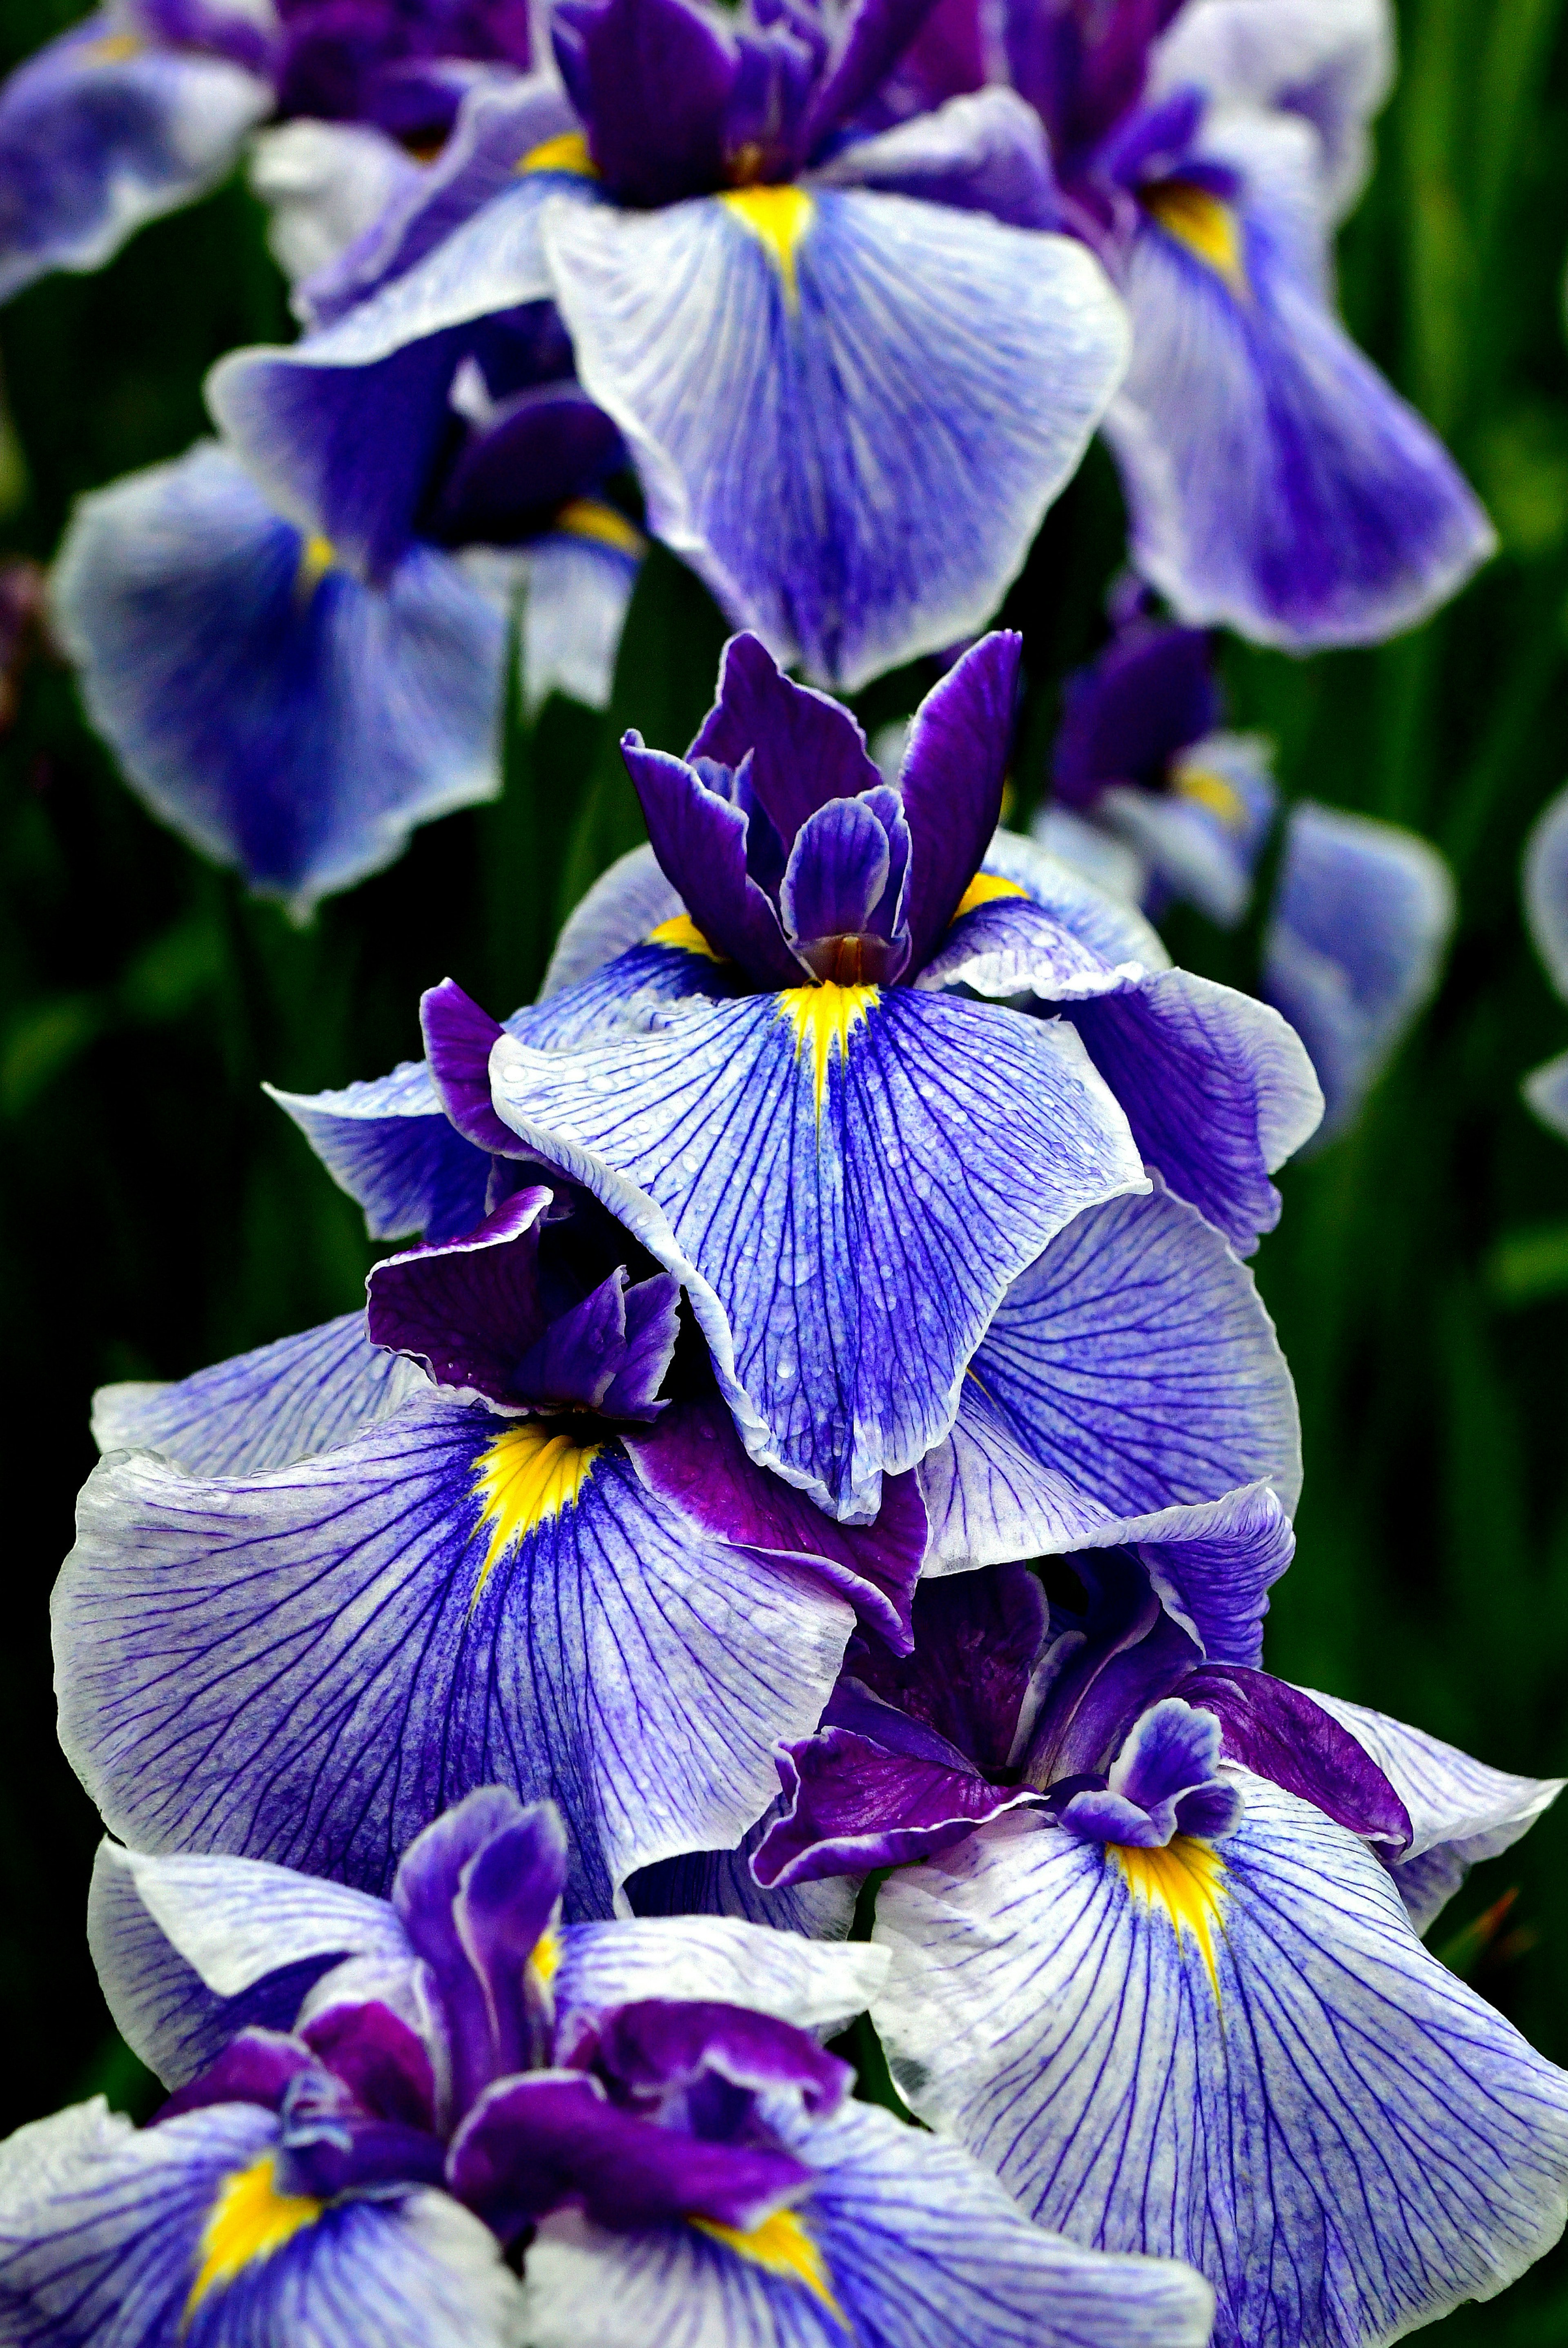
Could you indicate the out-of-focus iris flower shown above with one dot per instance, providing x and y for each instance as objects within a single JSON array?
[
  {"x": 1546, "y": 914},
  {"x": 293, "y": 708},
  {"x": 510, "y": 1530},
  {"x": 851, "y": 379},
  {"x": 1205, "y": 150},
  {"x": 1142, "y": 756},
  {"x": 1160, "y": 1966},
  {"x": 775, "y": 1063},
  {"x": 149, "y": 104},
  {"x": 1361, "y": 919},
  {"x": 374, "y": 2101}
]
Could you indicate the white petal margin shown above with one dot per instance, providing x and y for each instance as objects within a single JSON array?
[
  {"x": 261, "y": 1409},
  {"x": 801, "y": 397},
  {"x": 1331, "y": 61},
  {"x": 1109, "y": 863},
  {"x": 1545, "y": 1091},
  {"x": 325, "y": 183},
  {"x": 177, "y": 1939},
  {"x": 816, "y": 1984},
  {"x": 101, "y": 132},
  {"x": 916, "y": 2248},
  {"x": 573, "y": 591},
  {"x": 622, "y": 908},
  {"x": 1460, "y": 1810},
  {"x": 101, "y": 2240},
  {"x": 1546, "y": 890},
  {"x": 1332, "y": 2128}
]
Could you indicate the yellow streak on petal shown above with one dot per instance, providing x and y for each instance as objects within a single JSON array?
[
  {"x": 521, "y": 1480},
  {"x": 249, "y": 2220},
  {"x": 1186, "y": 1878},
  {"x": 682, "y": 933},
  {"x": 545, "y": 1962},
  {"x": 1204, "y": 225},
  {"x": 983, "y": 890},
  {"x": 824, "y": 1017},
  {"x": 1211, "y": 791},
  {"x": 116, "y": 48},
  {"x": 591, "y": 518},
  {"x": 316, "y": 558},
  {"x": 777, "y": 218},
  {"x": 780, "y": 2246},
  {"x": 568, "y": 152}
]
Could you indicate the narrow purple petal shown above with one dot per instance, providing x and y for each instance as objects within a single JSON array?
[
  {"x": 459, "y": 1037},
  {"x": 658, "y": 2054},
  {"x": 806, "y": 747},
  {"x": 1275, "y": 1731},
  {"x": 951, "y": 781},
  {"x": 471, "y": 1309},
  {"x": 700, "y": 840}
]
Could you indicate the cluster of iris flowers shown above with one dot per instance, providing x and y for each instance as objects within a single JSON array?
[{"x": 786, "y": 1539}]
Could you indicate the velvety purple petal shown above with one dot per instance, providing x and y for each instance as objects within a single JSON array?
[
  {"x": 840, "y": 880},
  {"x": 652, "y": 1311},
  {"x": 977, "y": 1640},
  {"x": 380, "y": 2058},
  {"x": 1214, "y": 1564},
  {"x": 257, "y": 2066},
  {"x": 878, "y": 32},
  {"x": 1148, "y": 694},
  {"x": 554, "y": 2141},
  {"x": 1277, "y": 1732},
  {"x": 658, "y": 2055},
  {"x": 1162, "y": 1777},
  {"x": 951, "y": 780},
  {"x": 459, "y": 1040},
  {"x": 852, "y": 1804},
  {"x": 700, "y": 841},
  {"x": 470, "y": 1309},
  {"x": 650, "y": 79},
  {"x": 537, "y": 449},
  {"x": 696, "y": 1459},
  {"x": 806, "y": 748}
]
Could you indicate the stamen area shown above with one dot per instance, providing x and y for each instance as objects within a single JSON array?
[
  {"x": 780, "y": 2246},
  {"x": 250, "y": 2220},
  {"x": 1185, "y": 1879},
  {"x": 1204, "y": 223}
]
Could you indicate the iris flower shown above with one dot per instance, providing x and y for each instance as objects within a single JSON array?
[
  {"x": 1159, "y": 1969},
  {"x": 149, "y": 104},
  {"x": 293, "y": 709},
  {"x": 1546, "y": 916},
  {"x": 1206, "y": 150},
  {"x": 640, "y": 2115},
  {"x": 849, "y": 405}
]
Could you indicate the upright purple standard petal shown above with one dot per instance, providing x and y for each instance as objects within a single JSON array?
[{"x": 951, "y": 781}]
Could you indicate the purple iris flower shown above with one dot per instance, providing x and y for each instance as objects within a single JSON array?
[
  {"x": 149, "y": 104},
  {"x": 1205, "y": 151},
  {"x": 500, "y": 1525},
  {"x": 292, "y": 707},
  {"x": 765, "y": 1045},
  {"x": 851, "y": 379},
  {"x": 639, "y": 2114},
  {"x": 1142, "y": 758},
  {"x": 1546, "y": 917},
  {"x": 1160, "y": 1966}
]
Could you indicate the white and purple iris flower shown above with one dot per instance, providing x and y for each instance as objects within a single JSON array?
[
  {"x": 149, "y": 103},
  {"x": 1276, "y": 484},
  {"x": 1143, "y": 767},
  {"x": 446, "y": 2117},
  {"x": 292, "y": 708},
  {"x": 849, "y": 404},
  {"x": 1546, "y": 916},
  {"x": 782, "y": 1047},
  {"x": 1160, "y": 1968}
]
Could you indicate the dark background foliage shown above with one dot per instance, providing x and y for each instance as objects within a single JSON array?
[{"x": 159, "y": 1212}]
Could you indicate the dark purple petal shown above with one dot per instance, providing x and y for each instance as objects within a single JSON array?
[
  {"x": 977, "y": 1640},
  {"x": 844, "y": 888},
  {"x": 574, "y": 1362},
  {"x": 1151, "y": 142},
  {"x": 1150, "y": 694},
  {"x": 951, "y": 781},
  {"x": 327, "y": 2146},
  {"x": 459, "y": 1038},
  {"x": 255, "y": 2067},
  {"x": 764, "y": 118},
  {"x": 852, "y": 1803},
  {"x": 508, "y": 1897},
  {"x": 651, "y": 79},
  {"x": 1275, "y": 1731},
  {"x": 699, "y": 2064},
  {"x": 806, "y": 747},
  {"x": 554, "y": 2141},
  {"x": 379, "y": 2057},
  {"x": 878, "y": 32},
  {"x": 653, "y": 1325},
  {"x": 1108, "y": 1665},
  {"x": 700, "y": 840},
  {"x": 514, "y": 472},
  {"x": 694, "y": 1457},
  {"x": 1167, "y": 1766},
  {"x": 471, "y": 1309}
]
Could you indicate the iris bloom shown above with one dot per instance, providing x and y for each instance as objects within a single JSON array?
[
  {"x": 1546, "y": 915},
  {"x": 149, "y": 103},
  {"x": 339, "y": 1591},
  {"x": 849, "y": 405},
  {"x": 1142, "y": 756},
  {"x": 1160, "y": 1968},
  {"x": 1360, "y": 924},
  {"x": 639, "y": 2114},
  {"x": 293, "y": 708},
  {"x": 1276, "y": 484}
]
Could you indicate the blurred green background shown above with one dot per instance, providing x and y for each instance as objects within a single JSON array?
[{"x": 158, "y": 1213}]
